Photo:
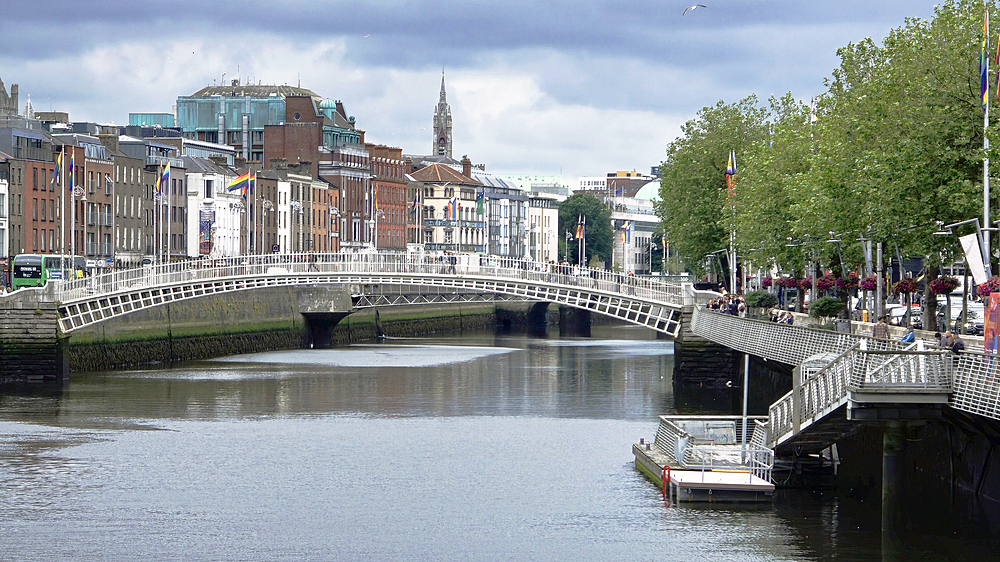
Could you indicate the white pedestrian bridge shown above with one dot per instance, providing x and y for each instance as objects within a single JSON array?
[
  {"x": 845, "y": 378},
  {"x": 646, "y": 302}
]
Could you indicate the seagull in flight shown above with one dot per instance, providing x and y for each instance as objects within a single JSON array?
[{"x": 689, "y": 8}]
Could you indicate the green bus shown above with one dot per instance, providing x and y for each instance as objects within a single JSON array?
[{"x": 34, "y": 270}]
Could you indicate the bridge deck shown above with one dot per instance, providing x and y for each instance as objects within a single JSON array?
[{"x": 646, "y": 302}]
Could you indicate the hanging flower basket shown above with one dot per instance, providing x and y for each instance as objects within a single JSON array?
[
  {"x": 849, "y": 283},
  {"x": 788, "y": 282},
  {"x": 906, "y": 285},
  {"x": 992, "y": 285},
  {"x": 868, "y": 283},
  {"x": 766, "y": 281},
  {"x": 805, "y": 283},
  {"x": 826, "y": 282},
  {"x": 943, "y": 285}
]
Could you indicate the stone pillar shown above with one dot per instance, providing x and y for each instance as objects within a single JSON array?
[
  {"x": 893, "y": 459},
  {"x": 538, "y": 319},
  {"x": 574, "y": 322},
  {"x": 31, "y": 352},
  {"x": 704, "y": 371}
]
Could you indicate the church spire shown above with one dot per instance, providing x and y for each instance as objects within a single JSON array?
[{"x": 442, "y": 125}]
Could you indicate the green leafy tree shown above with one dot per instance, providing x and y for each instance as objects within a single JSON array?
[
  {"x": 694, "y": 204},
  {"x": 599, "y": 235}
]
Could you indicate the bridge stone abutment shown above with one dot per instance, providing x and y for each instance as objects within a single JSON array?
[
  {"x": 323, "y": 307},
  {"x": 31, "y": 351},
  {"x": 704, "y": 372}
]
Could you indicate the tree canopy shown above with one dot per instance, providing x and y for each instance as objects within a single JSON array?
[
  {"x": 599, "y": 235},
  {"x": 894, "y": 144}
]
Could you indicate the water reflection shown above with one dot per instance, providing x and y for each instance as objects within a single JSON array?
[{"x": 480, "y": 447}]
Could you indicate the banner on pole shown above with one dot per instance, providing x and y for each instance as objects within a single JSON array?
[{"x": 974, "y": 257}]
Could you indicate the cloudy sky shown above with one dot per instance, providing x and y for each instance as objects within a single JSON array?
[{"x": 573, "y": 88}]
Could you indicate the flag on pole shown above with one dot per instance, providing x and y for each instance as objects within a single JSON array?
[
  {"x": 480, "y": 201},
  {"x": 57, "y": 171},
  {"x": 730, "y": 172},
  {"x": 165, "y": 177},
  {"x": 996, "y": 63},
  {"x": 239, "y": 183},
  {"x": 984, "y": 63},
  {"x": 374, "y": 201},
  {"x": 416, "y": 203},
  {"x": 159, "y": 178},
  {"x": 253, "y": 182},
  {"x": 72, "y": 162},
  {"x": 579, "y": 227}
]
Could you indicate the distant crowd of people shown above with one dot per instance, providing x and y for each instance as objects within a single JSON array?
[{"x": 729, "y": 304}]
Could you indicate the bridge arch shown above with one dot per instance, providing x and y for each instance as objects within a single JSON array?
[{"x": 84, "y": 302}]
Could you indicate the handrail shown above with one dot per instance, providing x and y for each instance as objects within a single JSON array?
[{"x": 489, "y": 267}]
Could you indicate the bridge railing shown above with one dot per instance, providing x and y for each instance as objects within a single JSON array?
[
  {"x": 310, "y": 264},
  {"x": 977, "y": 383}
]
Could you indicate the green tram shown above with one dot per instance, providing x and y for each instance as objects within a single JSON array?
[{"x": 34, "y": 270}]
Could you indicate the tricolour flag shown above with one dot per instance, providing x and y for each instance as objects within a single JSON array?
[{"x": 239, "y": 183}]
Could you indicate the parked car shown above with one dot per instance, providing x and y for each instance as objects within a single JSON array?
[{"x": 896, "y": 315}]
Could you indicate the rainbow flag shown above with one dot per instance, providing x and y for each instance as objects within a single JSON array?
[
  {"x": 56, "y": 172},
  {"x": 240, "y": 183},
  {"x": 252, "y": 183},
  {"x": 72, "y": 162},
  {"x": 165, "y": 177},
  {"x": 984, "y": 63},
  {"x": 374, "y": 201}
]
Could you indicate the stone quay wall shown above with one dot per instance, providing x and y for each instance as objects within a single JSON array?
[{"x": 30, "y": 349}]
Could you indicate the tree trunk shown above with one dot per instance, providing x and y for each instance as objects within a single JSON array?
[{"x": 930, "y": 299}]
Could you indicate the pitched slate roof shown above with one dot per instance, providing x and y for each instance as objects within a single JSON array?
[{"x": 439, "y": 173}]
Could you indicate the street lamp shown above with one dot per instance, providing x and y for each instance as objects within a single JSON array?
[
  {"x": 569, "y": 236},
  {"x": 334, "y": 215},
  {"x": 238, "y": 207},
  {"x": 297, "y": 207}
]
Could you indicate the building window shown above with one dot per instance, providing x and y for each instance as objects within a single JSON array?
[
  {"x": 34, "y": 209},
  {"x": 209, "y": 190}
]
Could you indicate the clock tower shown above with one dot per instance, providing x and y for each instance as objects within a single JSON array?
[{"x": 442, "y": 125}]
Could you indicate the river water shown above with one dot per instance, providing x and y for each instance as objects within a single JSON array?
[{"x": 460, "y": 448}]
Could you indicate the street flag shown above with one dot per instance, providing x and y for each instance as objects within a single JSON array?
[
  {"x": 416, "y": 203},
  {"x": 730, "y": 172},
  {"x": 159, "y": 179},
  {"x": 165, "y": 177},
  {"x": 58, "y": 170},
  {"x": 374, "y": 201},
  {"x": 579, "y": 227},
  {"x": 996, "y": 63},
  {"x": 984, "y": 63},
  {"x": 72, "y": 162},
  {"x": 239, "y": 183},
  {"x": 253, "y": 182},
  {"x": 480, "y": 200}
]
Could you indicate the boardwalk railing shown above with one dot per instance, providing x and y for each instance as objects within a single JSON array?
[
  {"x": 858, "y": 364},
  {"x": 278, "y": 265},
  {"x": 712, "y": 443}
]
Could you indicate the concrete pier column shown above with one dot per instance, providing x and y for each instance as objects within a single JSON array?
[
  {"x": 574, "y": 322},
  {"x": 893, "y": 459},
  {"x": 538, "y": 319}
]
